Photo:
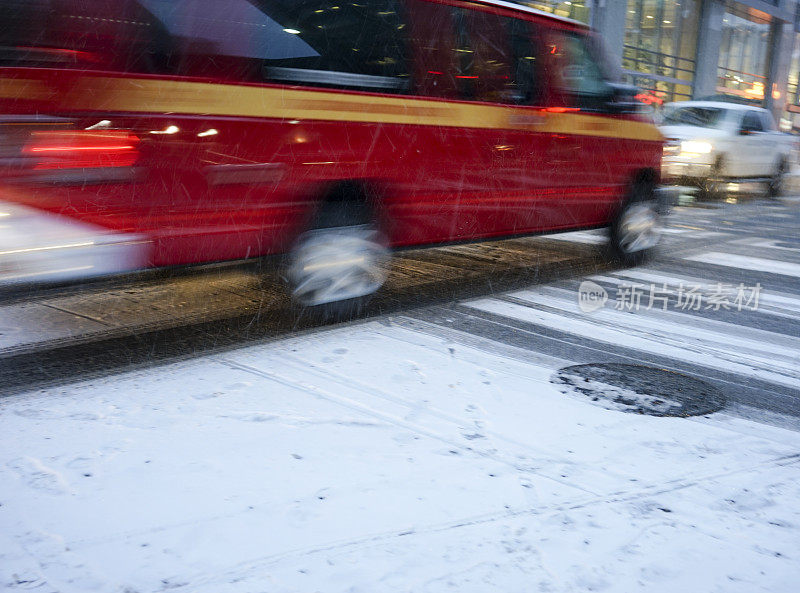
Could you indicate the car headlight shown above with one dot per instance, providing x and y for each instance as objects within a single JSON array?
[{"x": 696, "y": 147}]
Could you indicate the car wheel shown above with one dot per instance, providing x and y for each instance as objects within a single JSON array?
[
  {"x": 333, "y": 270},
  {"x": 775, "y": 185},
  {"x": 711, "y": 188},
  {"x": 636, "y": 229}
]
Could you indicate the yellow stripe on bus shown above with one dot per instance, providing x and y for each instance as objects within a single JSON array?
[
  {"x": 111, "y": 94},
  {"x": 25, "y": 88}
]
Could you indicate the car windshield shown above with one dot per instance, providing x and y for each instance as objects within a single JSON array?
[{"x": 702, "y": 117}]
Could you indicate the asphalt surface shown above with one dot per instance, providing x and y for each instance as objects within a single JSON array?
[{"x": 517, "y": 296}]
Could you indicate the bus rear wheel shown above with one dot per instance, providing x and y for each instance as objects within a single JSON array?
[{"x": 336, "y": 267}]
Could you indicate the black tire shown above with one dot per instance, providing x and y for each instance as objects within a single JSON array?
[
  {"x": 775, "y": 185},
  {"x": 337, "y": 265},
  {"x": 634, "y": 232},
  {"x": 711, "y": 188}
]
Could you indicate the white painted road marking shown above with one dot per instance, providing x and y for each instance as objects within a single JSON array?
[{"x": 747, "y": 262}]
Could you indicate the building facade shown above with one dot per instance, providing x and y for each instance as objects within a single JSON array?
[{"x": 746, "y": 51}]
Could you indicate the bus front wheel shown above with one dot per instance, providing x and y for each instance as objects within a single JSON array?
[{"x": 636, "y": 229}]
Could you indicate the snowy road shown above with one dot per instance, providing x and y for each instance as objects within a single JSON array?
[{"x": 428, "y": 449}]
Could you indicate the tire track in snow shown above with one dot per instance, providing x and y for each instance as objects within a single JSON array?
[
  {"x": 392, "y": 419},
  {"x": 241, "y": 569}
]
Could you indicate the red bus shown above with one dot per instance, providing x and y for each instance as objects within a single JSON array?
[{"x": 147, "y": 133}]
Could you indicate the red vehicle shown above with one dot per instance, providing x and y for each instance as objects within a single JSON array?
[{"x": 144, "y": 133}]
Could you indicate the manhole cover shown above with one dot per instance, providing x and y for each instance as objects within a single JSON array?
[{"x": 640, "y": 389}]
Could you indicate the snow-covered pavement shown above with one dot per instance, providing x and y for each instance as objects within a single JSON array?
[
  {"x": 429, "y": 449},
  {"x": 379, "y": 457}
]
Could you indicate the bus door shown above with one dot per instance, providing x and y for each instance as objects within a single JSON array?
[
  {"x": 467, "y": 166},
  {"x": 588, "y": 154}
]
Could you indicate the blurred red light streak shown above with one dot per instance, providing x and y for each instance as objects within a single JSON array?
[{"x": 73, "y": 148}]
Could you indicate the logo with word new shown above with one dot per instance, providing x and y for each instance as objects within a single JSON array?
[{"x": 591, "y": 296}]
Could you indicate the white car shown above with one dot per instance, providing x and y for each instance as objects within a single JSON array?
[{"x": 712, "y": 142}]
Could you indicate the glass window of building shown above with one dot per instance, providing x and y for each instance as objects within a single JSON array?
[
  {"x": 793, "y": 87},
  {"x": 579, "y": 10},
  {"x": 790, "y": 119},
  {"x": 660, "y": 46},
  {"x": 744, "y": 53}
]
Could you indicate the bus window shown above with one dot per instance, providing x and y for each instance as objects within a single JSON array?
[
  {"x": 305, "y": 42},
  {"x": 120, "y": 35},
  {"x": 497, "y": 58},
  {"x": 526, "y": 84},
  {"x": 484, "y": 68},
  {"x": 346, "y": 45},
  {"x": 432, "y": 39},
  {"x": 223, "y": 38},
  {"x": 577, "y": 72}
]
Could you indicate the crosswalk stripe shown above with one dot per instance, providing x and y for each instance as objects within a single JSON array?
[
  {"x": 771, "y": 363},
  {"x": 674, "y": 323},
  {"x": 768, "y": 302},
  {"x": 598, "y": 237},
  {"x": 770, "y": 244},
  {"x": 588, "y": 237},
  {"x": 747, "y": 262}
]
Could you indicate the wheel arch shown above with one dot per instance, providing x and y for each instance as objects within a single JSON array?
[
  {"x": 637, "y": 179},
  {"x": 647, "y": 175},
  {"x": 347, "y": 202}
]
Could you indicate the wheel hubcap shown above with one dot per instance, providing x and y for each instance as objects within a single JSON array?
[
  {"x": 639, "y": 228},
  {"x": 330, "y": 265}
]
